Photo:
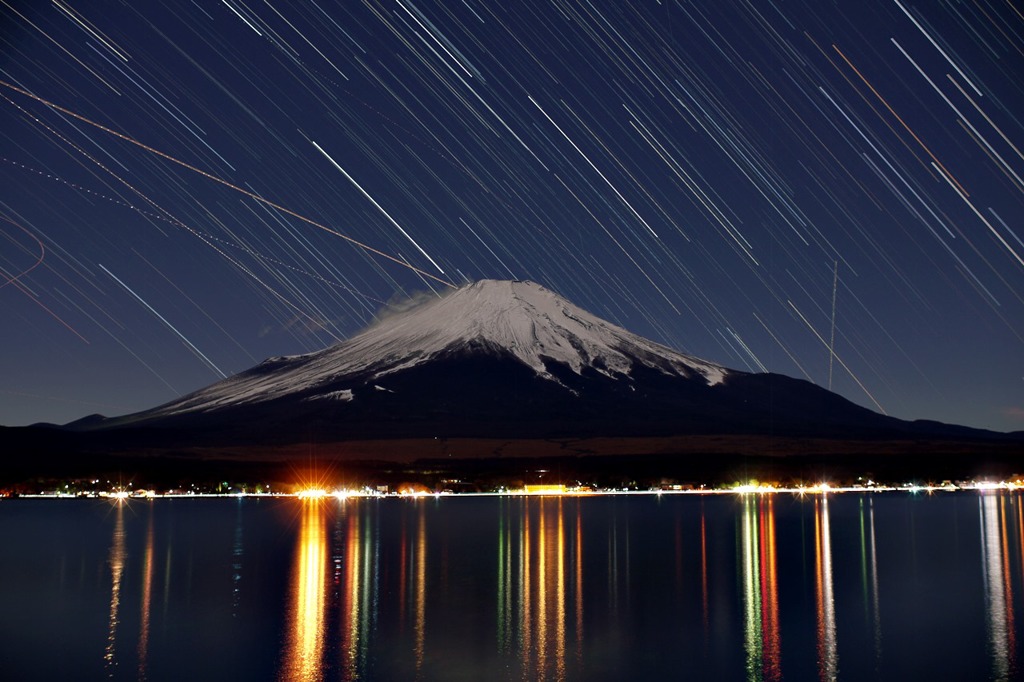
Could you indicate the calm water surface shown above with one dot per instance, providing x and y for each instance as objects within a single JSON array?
[{"x": 885, "y": 586}]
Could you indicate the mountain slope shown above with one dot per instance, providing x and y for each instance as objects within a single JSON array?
[
  {"x": 518, "y": 320},
  {"x": 497, "y": 359}
]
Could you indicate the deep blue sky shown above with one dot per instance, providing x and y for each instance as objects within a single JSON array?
[{"x": 697, "y": 172}]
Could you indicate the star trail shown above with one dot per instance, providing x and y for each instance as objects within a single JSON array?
[{"x": 832, "y": 191}]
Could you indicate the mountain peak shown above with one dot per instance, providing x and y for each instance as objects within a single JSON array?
[
  {"x": 534, "y": 324},
  {"x": 514, "y": 318},
  {"x": 498, "y": 359}
]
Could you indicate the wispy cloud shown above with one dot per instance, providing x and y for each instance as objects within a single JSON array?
[{"x": 1014, "y": 413}]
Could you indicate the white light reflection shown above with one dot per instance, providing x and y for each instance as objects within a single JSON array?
[
  {"x": 828, "y": 664},
  {"x": 998, "y": 598},
  {"x": 116, "y": 561}
]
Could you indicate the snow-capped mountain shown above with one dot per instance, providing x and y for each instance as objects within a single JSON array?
[
  {"x": 486, "y": 371},
  {"x": 520, "y": 320},
  {"x": 504, "y": 360}
]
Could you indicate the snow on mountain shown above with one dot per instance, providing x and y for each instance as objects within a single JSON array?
[{"x": 523, "y": 319}]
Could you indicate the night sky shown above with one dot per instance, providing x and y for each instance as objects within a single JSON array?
[{"x": 187, "y": 188}]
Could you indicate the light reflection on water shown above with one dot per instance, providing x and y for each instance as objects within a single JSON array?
[
  {"x": 303, "y": 658},
  {"x": 760, "y": 587},
  {"x": 147, "y": 595},
  {"x": 995, "y": 557},
  {"x": 355, "y": 583},
  {"x": 549, "y": 559},
  {"x": 827, "y": 657},
  {"x": 869, "y": 577},
  {"x": 552, "y": 588},
  {"x": 420, "y": 587},
  {"x": 116, "y": 563}
]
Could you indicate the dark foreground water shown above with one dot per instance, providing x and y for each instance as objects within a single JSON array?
[{"x": 885, "y": 586}]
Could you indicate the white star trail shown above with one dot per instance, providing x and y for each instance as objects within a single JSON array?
[{"x": 710, "y": 175}]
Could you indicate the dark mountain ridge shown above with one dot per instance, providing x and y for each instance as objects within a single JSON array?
[{"x": 499, "y": 361}]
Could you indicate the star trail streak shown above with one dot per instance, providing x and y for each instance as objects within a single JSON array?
[{"x": 834, "y": 192}]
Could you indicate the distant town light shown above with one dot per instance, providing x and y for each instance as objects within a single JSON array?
[
  {"x": 754, "y": 487},
  {"x": 991, "y": 485},
  {"x": 545, "y": 489}
]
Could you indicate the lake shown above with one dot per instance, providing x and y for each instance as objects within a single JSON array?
[{"x": 759, "y": 587}]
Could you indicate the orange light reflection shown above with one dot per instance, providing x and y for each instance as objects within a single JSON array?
[
  {"x": 772, "y": 646},
  {"x": 420, "y": 587},
  {"x": 548, "y": 560},
  {"x": 147, "y": 592},
  {"x": 303, "y": 659},
  {"x": 704, "y": 576}
]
